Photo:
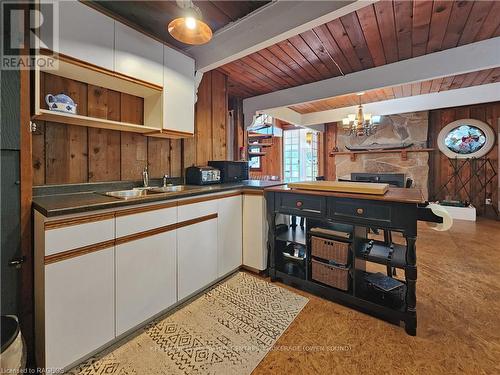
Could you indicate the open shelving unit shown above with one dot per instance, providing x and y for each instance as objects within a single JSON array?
[
  {"x": 292, "y": 238},
  {"x": 76, "y": 70},
  {"x": 364, "y": 294}
]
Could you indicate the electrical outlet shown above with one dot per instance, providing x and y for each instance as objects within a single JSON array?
[{"x": 488, "y": 201}]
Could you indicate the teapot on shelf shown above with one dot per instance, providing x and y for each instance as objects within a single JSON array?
[{"x": 61, "y": 103}]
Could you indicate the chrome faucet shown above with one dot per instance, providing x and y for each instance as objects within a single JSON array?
[
  {"x": 145, "y": 177},
  {"x": 165, "y": 181}
]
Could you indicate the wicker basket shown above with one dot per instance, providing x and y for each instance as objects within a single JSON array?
[
  {"x": 328, "y": 274},
  {"x": 330, "y": 250}
]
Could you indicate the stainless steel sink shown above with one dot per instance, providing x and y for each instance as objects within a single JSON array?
[
  {"x": 143, "y": 192},
  {"x": 171, "y": 189},
  {"x": 131, "y": 194}
]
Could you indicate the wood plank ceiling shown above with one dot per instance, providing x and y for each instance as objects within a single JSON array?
[
  {"x": 154, "y": 16},
  {"x": 437, "y": 85},
  {"x": 378, "y": 34}
]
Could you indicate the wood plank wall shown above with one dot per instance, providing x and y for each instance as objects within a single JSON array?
[
  {"x": 439, "y": 167},
  {"x": 211, "y": 121},
  {"x": 65, "y": 154},
  {"x": 240, "y": 135},
  {"x": 329, "y": 142}
]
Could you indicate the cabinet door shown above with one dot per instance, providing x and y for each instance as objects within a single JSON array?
[
  {"x": 230, "y": 234},
  {"x": 79, "y": 307},
  {"x": 254, "y": 232},
  {"x": 197, "y": 256},
  {"x": 137, "y": 55},
  {"x": 146, "y": 279},
  {"x": 84, "y": 33},
  {"x": 179, "y": 91}
]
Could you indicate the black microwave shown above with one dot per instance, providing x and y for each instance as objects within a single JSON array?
[{"x": 231, "y": 171}]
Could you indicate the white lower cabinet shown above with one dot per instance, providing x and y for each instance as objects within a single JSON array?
[
  {"x": 79, "y": 307},
  {"x": 146, "y": 279},
  {"x": 254, "y": 232},
  {"x": 86, "y": 301},
  {"x": 230, "y": 234},
  {"x": 196, "y": 256}
]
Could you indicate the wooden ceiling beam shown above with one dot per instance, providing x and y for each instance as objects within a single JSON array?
[
  {"x": 452, "y": 98},
  {"x": 268, "y": 25},
  {"x": 459, "y": 60}
]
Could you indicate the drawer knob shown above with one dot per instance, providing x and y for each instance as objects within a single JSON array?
[
  {"x": 299, "y": 204},
  {"x": 360, "y": 211}
]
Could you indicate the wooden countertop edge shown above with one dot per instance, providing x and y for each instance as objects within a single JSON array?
[
  {"x": 70, "y": 221},
  {"x": 388, "y": 197}
]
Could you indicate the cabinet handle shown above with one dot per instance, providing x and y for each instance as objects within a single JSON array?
[
  {"x": 17, "y": 262},
  {"x": 360, "y": 211}
]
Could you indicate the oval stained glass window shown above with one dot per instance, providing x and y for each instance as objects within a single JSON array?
[{"x": 465, "y": 139}]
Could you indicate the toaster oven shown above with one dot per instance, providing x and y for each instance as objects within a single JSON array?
[
  {"x": 202, "y": 176},
  {"x": 231, "y": 171}
]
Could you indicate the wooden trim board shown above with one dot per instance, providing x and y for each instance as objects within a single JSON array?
[
  {"x": 136, "y": 210},
  {"x": 99, "y": 69},
  {"x": 73, "y": 253},
  {"x": 147, "y": 233},
  {"x": 61, "y": 223},
  {"x": 68, "y": 254},
  {"x": 207, "y": 198},
  {"x": 252, "y": 192}
]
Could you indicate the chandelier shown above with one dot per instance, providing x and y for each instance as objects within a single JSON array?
[{"x": 360, "y": 123}]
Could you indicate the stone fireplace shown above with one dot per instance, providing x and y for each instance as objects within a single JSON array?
[{"x": 393, "y": 129}]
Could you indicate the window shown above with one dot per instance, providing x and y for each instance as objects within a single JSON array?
[
  {"x": 300, "y": 155},
  {"x": 466, "y": 138},
  {"x": 255, "y": 161}
]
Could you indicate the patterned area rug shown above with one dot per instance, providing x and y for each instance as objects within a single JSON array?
[{"x": 227, "y": 330}]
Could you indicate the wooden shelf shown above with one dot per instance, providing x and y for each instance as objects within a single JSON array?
[
  {"x": 260, "y": 136},
  {"x": 92, "y": 122},
  {"x": 260, "y": 145},
  {"x": 170, "y": 134},
  {"x": 404, "y": 152}
]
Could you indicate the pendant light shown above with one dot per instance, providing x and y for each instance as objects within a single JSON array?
[{"x": 190, "y": 28}]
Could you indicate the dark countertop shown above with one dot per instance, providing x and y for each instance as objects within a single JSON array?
[{"x": 64, "y": 204}]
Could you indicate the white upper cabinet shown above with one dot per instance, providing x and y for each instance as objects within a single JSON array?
[
  {"x": 84, "y": 34},
  {"x": 137, "y": 55},
  {"x": 178, "y": 91}
]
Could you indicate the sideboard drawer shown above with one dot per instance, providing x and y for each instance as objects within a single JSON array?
[
  {"x": 297, "y": 204},
  {"x": 359, "y": 210},
  {"x": 62, "y": 235}
]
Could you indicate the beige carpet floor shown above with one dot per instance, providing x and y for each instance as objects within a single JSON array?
[{"x": 227, "y": 330}]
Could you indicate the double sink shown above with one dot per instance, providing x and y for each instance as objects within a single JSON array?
[{"x": 144, "y": 192}]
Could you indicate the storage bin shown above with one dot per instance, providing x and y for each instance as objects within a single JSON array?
[
  {"x": 328, "y": 274},
  {"x": 331, "y": 250}
]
